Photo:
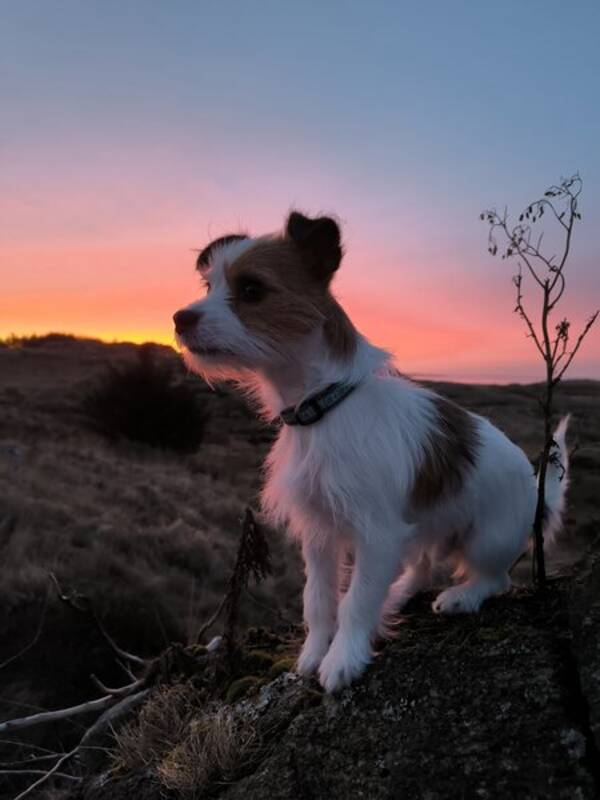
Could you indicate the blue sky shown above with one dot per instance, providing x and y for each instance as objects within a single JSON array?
[{"x": 132, "y": 131}]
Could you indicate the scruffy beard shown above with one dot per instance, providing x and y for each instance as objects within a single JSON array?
[{"x": 215, "y": 366}]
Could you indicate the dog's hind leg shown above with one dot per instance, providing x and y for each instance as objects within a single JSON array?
[
  {"x": 488, "y": 554},
  {"x": 415, "y": 578},
  {"x": 468, "y": 597}
]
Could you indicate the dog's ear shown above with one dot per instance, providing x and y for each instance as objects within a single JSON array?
[
  {"x": 319, "y": 242},
  {"x": 204, "y": 257}
]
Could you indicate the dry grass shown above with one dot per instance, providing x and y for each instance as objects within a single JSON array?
[
  {"x": 215, "y": 747},
  {"x": 151, "y": 537},
  {"x": 140, "y": 530},
  {"x": 160, "y": 726},
  {"x": 187, "y": 747}
]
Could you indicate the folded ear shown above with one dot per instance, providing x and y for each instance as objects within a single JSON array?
[
  {"x": 204, "y": 257},
  {"x": 319, "y": 242}
]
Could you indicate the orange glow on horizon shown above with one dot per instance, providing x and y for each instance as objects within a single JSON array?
[{"x": 128, "y": 292}]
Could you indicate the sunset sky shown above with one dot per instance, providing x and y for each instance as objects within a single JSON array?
[{"x": 133, "y": 132}]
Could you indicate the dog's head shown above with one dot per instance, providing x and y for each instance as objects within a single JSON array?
[{"x": 263, "y": 296}]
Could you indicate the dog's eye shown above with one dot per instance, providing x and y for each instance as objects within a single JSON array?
[{"x": 251, "y": 290}]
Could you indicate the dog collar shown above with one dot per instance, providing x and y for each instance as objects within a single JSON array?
[{"x": 315, "y": 407}]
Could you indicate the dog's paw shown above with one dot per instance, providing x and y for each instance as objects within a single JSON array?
[
  {"x": 467, "y": 598},
  {"x": 312, "y": 654},
  {"x": 342, "y": 665},
  {"x": 458, "y": 600}
]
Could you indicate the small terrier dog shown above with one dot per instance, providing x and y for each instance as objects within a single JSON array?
[{"x": 366, "y": 461}]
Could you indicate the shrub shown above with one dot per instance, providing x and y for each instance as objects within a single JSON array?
[{"x": 146, "y": 402}]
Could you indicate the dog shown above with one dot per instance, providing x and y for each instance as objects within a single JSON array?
[{"x": 366, "y": 460}]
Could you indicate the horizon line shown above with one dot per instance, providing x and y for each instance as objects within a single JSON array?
[{"x": 12, "y": 339}]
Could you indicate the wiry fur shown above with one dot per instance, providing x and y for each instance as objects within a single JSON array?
[{"x": 395, "y": 474}]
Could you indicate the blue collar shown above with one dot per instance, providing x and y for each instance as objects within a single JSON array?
[{"x": 315, "y": 407}]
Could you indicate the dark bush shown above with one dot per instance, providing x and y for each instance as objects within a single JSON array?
[{"x": 146, "y": 402}]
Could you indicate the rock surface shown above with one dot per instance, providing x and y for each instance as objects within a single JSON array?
[
  {"x": 467, "y": 707},
  {"x": 585, "y": 622},
  {"x": 455, "y": 708}
]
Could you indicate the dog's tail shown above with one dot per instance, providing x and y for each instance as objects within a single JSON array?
[{"x": 557, "y": 482}]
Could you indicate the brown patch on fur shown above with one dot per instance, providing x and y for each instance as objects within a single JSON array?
[
  {"x": 205, "y": 255},
  {"x": 449, "y": 454},
  {"x": 319, "y": 241},
  {"x": 339, "y": 332},
  {"x": 294, "y": 302}
]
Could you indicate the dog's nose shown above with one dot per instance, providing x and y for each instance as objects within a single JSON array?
[{"x": 185, "y": 319}]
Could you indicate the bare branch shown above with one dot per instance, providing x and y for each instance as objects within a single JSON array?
[
  {"x": 47, "y": 775},
  {"x": 580, "y": 339},
  {"x": 211, "y": 621},
  {"x": 38, "y": 772},
  {"x": 253, "y": 558},
  {"x": 36, "y": 637},
  {"x": 30, "y": 761},
  {"x": 18, "y": 743},
  {"x": 562, "y": 201},
  {"x": 556, "y": 298},
  {"x": 561, "y": 340},
  {"x": 52, "y": 716},
  {"x": 548, "y": 204},
  {"x": 519, "y": 308},
  {"x": 72, "y": 598},
  {"x": 131, "y": 657},
  {"x": 121, "y": 691},
  {"x": 109, "y": 718},
  {"x": 82, "y": 602}
]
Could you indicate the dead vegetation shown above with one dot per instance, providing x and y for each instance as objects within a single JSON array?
[
  {"x": 551, "y": 336},
  {"x": 148, "y": 402},
  {"x": 148, "y": 538},
  {"x": 186, "y": 745},
  {"x": 170, "y": 728}
]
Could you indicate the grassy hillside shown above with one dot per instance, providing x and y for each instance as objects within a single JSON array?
[{"x": 148, "y": 535}]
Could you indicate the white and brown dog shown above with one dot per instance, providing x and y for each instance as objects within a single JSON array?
[{"x": 366, "y": 460}]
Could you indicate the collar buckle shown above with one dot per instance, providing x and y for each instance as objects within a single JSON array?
[
  {"x": 310, "y": 411},
  {"x": 314, "y": 408}
]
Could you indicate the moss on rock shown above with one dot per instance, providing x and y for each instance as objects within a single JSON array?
[{"x": 242, "y": 687}]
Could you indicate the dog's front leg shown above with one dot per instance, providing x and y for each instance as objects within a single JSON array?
[
  {"x": 320, "y": 600},
  {"x": 376, "y": 565}
]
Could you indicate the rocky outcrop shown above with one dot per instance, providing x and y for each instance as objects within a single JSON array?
[
  {"x": 469, "y": 707},
  {"x": 585, "y": 623},
  {"x": 481, "y": 708}
]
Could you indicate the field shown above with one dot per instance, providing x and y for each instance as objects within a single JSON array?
[{"x": 146, "y": 538}]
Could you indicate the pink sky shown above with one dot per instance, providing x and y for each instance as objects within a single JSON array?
[
  {"x": 436, "y": 322},
  {"x": 130, "y": 138}
]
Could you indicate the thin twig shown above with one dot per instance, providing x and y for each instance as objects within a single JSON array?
[
  {"x": 36, "y": 637},
  {"x": 18, "y": 743},
  {"x": 74, "y": 599},
  {"x": 121, "y": 691},
  {"x": 46, "y": 776},
  {"x": 211, "y": 621},
  {"x": 29, "y": 761},
  {"x": 38, "y": 772},
  {"x": 554, "y": 351},
  {"x": 62, "y": 713},
  {"x": 580, "y": 339},
  {"x": 131, "y": 657}
]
